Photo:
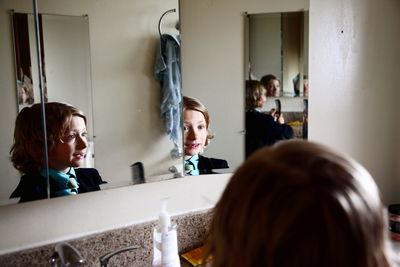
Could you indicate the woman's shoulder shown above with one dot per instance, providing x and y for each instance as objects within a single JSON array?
[
  {"x": 32, "y": 186},
  {"x": 87, "y": 171},
  {"x": 213, "y": 163},
  {"x": 253, "y": 114},
  {"x": 89, "y": 176}
]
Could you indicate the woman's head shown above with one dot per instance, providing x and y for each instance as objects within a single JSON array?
[
  {"x": 272, "y": 84},
  {"x": 255, "y": 94},
  {"x": 196, "y": 122},
  {"x": 299, "y": 204},
  {"x": 297, "y": 85},
  {"x": 25, "y": 93},
  {"x": 27, "y": 151}
]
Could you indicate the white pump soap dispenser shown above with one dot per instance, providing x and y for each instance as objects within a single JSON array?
[{"x": 165, "y": 241}]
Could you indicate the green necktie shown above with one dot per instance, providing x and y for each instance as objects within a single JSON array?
[
  {"x": 189, "y": 167},
  {"x": 73, "y": 184}
]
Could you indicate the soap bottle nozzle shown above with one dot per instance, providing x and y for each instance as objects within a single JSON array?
[{"x": 164, "y": 218}]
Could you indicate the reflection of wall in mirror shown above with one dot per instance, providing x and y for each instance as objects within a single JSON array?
[
  {"x": 277, "y": 46},
  {"x": 292, "y": 31},
  {"x": 126, "y": 96},
  {"x": 67, "y": 57},
  {"x": 265, "y": 44}
]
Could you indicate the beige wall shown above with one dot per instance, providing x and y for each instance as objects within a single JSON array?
[
  {"x": 126, "y": 97},
  {"x": 353, "y": 100},
  {"x": 354, "y": 95}
]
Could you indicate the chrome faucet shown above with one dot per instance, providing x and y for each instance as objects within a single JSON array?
[
  {"x": 106, "y": 257},
  {"x": 66, "y": 255}
]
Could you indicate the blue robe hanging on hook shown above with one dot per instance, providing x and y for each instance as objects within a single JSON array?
[{"x": 168, "y": 72}]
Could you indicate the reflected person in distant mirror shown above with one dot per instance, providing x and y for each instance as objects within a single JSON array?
[
  {"x": 272, "y": 84},
  {"x": 196, "y": 122},
  {"x": 296, "y": 84},
  {"x": 262, "y": 129},
  {"x": 25, "y": 91},
  {"x": 67, "y": 145}
]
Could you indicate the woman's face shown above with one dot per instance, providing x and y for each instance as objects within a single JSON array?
[
  {"x": 273, "y": 88},
  {"x": 70, "y": 151},
  {"x": 305, "y": 90},
  {"x": 195, "y": 132}
]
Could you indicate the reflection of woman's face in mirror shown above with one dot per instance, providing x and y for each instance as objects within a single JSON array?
[
  {"x": 273, "y": 88},
  {"x": 70, "y": 151},
  {"x": 305, "y": 89},
  {"x": 305, "y": 92},
  {"x": 23, "y": 96},
  {"x": 195, "y": 132}
]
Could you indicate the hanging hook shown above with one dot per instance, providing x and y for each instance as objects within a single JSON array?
[{"x": 162, "y": 16}]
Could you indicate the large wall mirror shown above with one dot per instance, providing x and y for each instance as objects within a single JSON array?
[{"x": 114, "y": 85}]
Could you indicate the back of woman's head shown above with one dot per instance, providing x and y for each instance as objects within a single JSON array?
[
  {"x": 299, "y": 204},
  {"x": 254, "y": 93}
]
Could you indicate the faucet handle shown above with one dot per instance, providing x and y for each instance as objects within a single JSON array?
[
  {"x": 66, "y": 255},
  {"x": 106, "y": 257}
]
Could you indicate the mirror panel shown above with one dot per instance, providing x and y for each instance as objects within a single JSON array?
[
  {"x": 277, "y": 44},
  {"x": 126, "y": 98}
]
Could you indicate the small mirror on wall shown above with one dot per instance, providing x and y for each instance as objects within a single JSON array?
[{"x": 276, "y": 54}]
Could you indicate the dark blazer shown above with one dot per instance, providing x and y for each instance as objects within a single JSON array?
[
  {"x": 33, "y": 187},
  {"x": 263, "y": 130},
  {"x": 206, "y": 165}
]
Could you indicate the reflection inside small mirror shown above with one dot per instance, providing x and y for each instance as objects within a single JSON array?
[
  {"x": 276, "y": 78},
  {"x": 277, "y": 49}
]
